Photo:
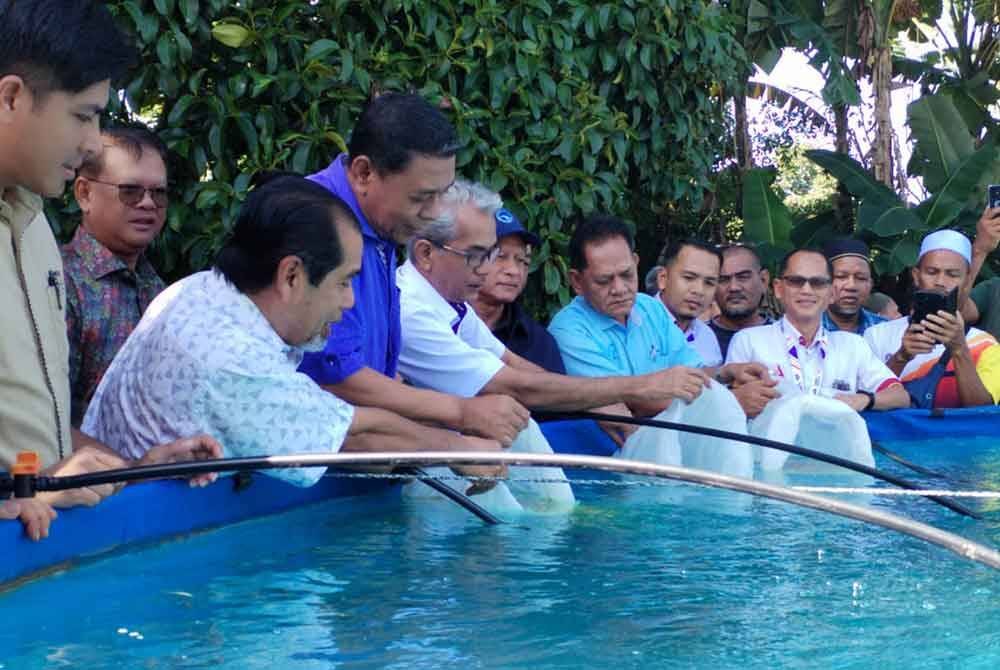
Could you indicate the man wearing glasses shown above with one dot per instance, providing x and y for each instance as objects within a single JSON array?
[
  {"x": 800, "y": 352},
  {"x": 122, "y": 194}
]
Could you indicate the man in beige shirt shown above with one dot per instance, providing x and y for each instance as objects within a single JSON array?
[{"x": 54, "y": 84}]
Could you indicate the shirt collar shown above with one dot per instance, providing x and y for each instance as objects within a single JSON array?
[
  {"x": 512, "y": 319},
  {"x": 425, "y": 294},
  {"x": 606, "y": 322},
  {"x": 18, "y": 208},
  {"x": 689, "y": 331},
  {"x": 821, "y": 338},
  {"x": 99, "y": 261},
  {"x": 334, "y": 178}
]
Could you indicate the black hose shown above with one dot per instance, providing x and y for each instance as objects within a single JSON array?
[{"x": 761, "y": 441}]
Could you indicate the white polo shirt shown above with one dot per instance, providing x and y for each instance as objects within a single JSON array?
[
  {"x": 699, "y": 337},
  {"x": 835, "y": 362},
  {"x": 441, "y": 349}
]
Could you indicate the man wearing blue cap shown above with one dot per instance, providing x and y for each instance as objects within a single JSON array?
[
  {"x": 971, "y": 376},
  {"x": 497, "y": 301},
  {"x": 852, "y": 285}
]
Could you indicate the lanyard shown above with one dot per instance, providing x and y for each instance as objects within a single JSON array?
[{"x": 792, "y": 347}]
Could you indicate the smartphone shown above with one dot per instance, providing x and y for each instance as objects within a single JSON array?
[
  {"x": 931, "y": 302},
  {"x": 993, "y": 195}
]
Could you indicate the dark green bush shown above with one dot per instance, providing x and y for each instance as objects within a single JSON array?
[{"x": 566, "y": 107}]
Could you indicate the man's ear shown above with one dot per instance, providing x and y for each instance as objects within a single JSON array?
[
  {"x": 576, "y": 281},
  {"x": 661, "y": 279},
  {"x": 290, "y": 278},
  {"x": 14, "y": 94},
  {"x": 361, "y": 171},
  {"x": 765, "y": 276},
  {"x": 81, "y": 191},
  {"x": 914, "y": 273},
  {"x": 421, "y": 252}
]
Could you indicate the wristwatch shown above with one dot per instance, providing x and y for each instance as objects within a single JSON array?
[{"x": 871, "y": 400}]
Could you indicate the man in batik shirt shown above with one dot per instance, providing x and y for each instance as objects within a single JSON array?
[{"x": 122, "y": 193}]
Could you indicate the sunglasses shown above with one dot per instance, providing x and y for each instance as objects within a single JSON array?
[
  {"x": 798, "y": 281},
  {"x": 132, "y": 194}
]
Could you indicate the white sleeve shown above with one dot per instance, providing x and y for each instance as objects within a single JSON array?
[
  {"x": 875, "y": 337},
  {"x": 873, "y": 374},
  {"x": 740, "y": 350},
  {"x": 434, "y": 357},
  {"x": 477, "y": 334}
]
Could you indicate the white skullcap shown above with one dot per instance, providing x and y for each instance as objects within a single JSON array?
[{"x": 947, "y": 240}]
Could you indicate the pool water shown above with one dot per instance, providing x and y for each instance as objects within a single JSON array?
[{"x": 635, "y": 577}]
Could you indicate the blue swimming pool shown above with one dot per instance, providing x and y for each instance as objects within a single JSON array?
[{"x": 636, "y": 577}]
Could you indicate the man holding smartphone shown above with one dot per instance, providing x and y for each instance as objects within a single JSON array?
[{"x": 913, "y": 349}]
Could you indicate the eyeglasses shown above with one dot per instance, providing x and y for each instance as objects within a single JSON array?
[
  {"x": 798, "y": 281},
  {"x": 132, "y": 194},
  {"x": 473, "y": 259}
]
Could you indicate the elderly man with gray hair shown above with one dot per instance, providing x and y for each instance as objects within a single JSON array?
[{"x": 447, "y": 347}]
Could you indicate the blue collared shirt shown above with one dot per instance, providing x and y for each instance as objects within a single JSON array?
[
  {"x": 595, "y": 345},
  {"x": 368, "y": 334},
  {"x": 866, "y": 320}
]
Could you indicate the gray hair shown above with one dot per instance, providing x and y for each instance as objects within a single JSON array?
[{"x": 443, "y": 229}]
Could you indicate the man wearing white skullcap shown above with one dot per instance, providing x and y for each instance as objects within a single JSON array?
[{"x": 911, "y": 350}]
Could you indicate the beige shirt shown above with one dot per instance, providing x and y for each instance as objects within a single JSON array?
[{"x": 34, "y": 351}]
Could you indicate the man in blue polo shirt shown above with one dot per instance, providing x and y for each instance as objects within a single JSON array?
[
  {"x": 400, "y": 161},
  {"x": 610, "y": 329}
]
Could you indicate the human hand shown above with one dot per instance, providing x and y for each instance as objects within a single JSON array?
[
  {"x": 474, "y": 472},
  {"x": 36, "y": 516},
  {"x": 677, "y": 382},
  {"x": 618, "y": 432},
  {"x": 987, "y": 232},
  {"x": 737, "y": 374},
  {"x": 82, "y": 461},
  {"x": 856, "y": 401},
  {"x": 495, "y": 417},
  {"x": 947, "y": 328},
  {"x": 755, "y": 395},
  {"x": 916, "y": 341},
  {"x": 198, "y": 448}
]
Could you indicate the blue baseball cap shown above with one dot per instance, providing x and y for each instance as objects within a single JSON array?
[{"x": 508, "y": 224}]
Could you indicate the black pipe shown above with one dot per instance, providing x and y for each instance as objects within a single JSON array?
[{"x": 761, "y": 441}]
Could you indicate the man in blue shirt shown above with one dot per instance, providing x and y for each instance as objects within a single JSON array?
[
  {"x": 610, "y": 329},
  {"x": 400, "y": 161}
]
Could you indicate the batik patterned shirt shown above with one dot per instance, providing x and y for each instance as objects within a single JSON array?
[
  {"x": 205, "y": 359},
  {"x": 104, "y": 301}
]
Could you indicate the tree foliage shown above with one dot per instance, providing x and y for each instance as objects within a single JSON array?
[{"x": 565, "y": 107}]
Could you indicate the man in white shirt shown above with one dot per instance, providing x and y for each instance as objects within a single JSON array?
[
  {"x": 912, "y": 350},
  {"x": 797, "y": 349},
  {"x": 219, "y": 349},
  {"x": 687, "y": 282}
]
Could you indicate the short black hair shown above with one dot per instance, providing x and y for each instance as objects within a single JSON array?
[
  {"x": 61, "y": 45},
  {"x": 786, "y": 259},
  {"x": 285, "y": 215},
  {"x": 132, "y": 139},
  {"x": 675, "y": 247},
  {"x": 396, "y": 126},
  {"x": 596, "y": 228},
  {"x": 734, "y": 247}
]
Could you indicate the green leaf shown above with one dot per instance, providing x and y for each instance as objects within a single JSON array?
[
  {"x": 765, "y": 217},
  {"x": 943, "y": 141},
  {"x": 184, "y": 48},
  {"x": 320, "y": 49},
  {"x": 231, "y": 34},
  {"x": 552, "y": 278},
  {"x": 249, "y": 131},
  {"x": 961, "y": 187},
  {"x": 853, "y": 176},
  {"x": 887, "y": 221},
  {"x": 166, "y": 50},
  {"x": 189, "y": 9},
  {"x": 179, "y": 109}
]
